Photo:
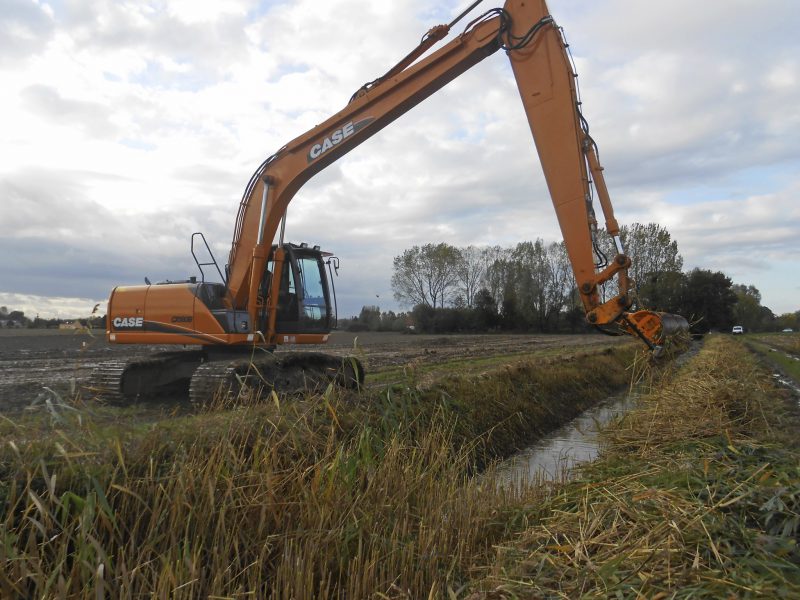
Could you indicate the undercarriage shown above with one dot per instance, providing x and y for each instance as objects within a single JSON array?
[{"x": 220, "y": 377}]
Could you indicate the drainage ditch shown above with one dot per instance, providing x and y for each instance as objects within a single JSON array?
[{"x": 553, "y": 456}]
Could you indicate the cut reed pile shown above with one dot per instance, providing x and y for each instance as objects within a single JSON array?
[
  {"x": 323, "y": 497},
  {"x": 697, "y": 494}
]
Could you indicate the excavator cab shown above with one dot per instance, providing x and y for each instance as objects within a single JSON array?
[{"x": 305, "y": 302}]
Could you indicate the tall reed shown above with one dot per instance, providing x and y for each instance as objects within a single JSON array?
[{"x": 334, "y": 495}]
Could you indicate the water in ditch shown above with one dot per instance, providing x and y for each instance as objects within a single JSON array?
[
  {"x": 577, "y": 442},
  {"x": 554, "y": 455}
]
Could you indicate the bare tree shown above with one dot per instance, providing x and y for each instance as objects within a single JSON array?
[
  {"x": 426, "y": 275},
  {"x": 471, "y": 269},
  {"x": 532, "y": 284},
  {"x": 654, "y": 258},
  {"x": 562, "y": 279},
  {"x": 652, "y": 251},
  {"x": 496, "y": 272},
  {"x": 535, "y": 278}
]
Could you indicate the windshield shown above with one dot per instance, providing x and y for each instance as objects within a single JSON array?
[{"x": 315, "y": 307}]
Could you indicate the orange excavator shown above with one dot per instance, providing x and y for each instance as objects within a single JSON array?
[{"x": 277, "y": 293}]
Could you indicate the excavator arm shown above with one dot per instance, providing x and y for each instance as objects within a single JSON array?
[
  {"x": 277, "y": 293},
  {"x": 546, "y": 83}
]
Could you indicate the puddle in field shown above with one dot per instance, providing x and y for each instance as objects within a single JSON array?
[
  {"x": 786, "y": 382},
  {"x": 572, "y": 444},
  {"x": 782, "y": 379}
]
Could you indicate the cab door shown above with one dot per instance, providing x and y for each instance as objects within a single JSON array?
[{"x": 303, "y": 301}]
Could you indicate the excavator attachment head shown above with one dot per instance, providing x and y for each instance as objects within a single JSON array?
[{"x": 656, "y": 329}]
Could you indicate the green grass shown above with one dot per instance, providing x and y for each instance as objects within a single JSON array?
[
  {"x": 469, "y": 366},
  {"x": 787, "y": 364},
  {"x": 788, "y": 342}
]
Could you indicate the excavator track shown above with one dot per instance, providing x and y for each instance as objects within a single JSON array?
[
  {"x": 122, "y": 382},
  {"x": 105, "y": 380},
  {"x": 208, "y": 380},
  {"x": 125, "y": 381},
  {"x": 291, "y": 372}
]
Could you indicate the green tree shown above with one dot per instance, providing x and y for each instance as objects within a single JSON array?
[
  {"x": 485, "y": 311},
  {"x": 748, "y": 311},
  {"x": 663, "y": 291},
  {"x": 541, "y": 278},
  {"x": 370, "y": 317},
  {"x": 510, "y": 318},
  {"x": 530, "y": 282},
  {"x": 655, "y": 262},
  {"x": 423, "y": 316},
  {"x": 708, "y": 300},
  {"x": 651, "y": 250},
  {"x": 788, "y": 321},
  {"x": 562, "y": 286},
  {"x": 498, "y": 276}
]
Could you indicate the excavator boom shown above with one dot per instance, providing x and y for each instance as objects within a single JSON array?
[{"x": 264, "y": 275}]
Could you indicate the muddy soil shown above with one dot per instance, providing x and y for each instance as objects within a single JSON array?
[{"x": 31, "y": 360}]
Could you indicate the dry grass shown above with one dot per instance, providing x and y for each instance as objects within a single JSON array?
[
  {"x": 285, "y": 508},
  {"x": 329, "y": 496},
  {"x": 696, "y": 495}
]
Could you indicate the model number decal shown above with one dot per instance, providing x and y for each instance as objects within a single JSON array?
[
  {"x": 337, "y": 137},
  {"x": 128, "y": 322}
]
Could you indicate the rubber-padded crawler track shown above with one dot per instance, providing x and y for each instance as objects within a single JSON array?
[
  {"x": 291, "y": 372},
  {"x": 106, "y": 380}
]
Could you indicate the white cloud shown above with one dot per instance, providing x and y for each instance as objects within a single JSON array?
[
  {"x": 126, "y": 126},
  {"x": 51, "y": 307}
]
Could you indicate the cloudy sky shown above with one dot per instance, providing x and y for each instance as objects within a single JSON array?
[{"x": 126, "y": 126}]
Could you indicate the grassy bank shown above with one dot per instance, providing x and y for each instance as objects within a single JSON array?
[
  {"x": 323, "y": 497},
  {"x": 697, "y": 494},
  {"x": 788, "y": 342},
  {"x": 782, "y": 351}
]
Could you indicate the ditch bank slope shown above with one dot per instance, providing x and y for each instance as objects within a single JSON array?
[{"x": 697, "y": 494}]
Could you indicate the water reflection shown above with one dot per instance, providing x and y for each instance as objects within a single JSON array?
[
  {"x": 572, "y": 444},
  {"x": 577, "y": 442}
]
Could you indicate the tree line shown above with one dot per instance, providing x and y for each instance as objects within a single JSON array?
[
  {"x": 530, "y": 287},
  {"x": 16, "y": 319}
]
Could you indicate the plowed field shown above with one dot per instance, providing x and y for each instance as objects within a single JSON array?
[{"x": 32, "y": 360}]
